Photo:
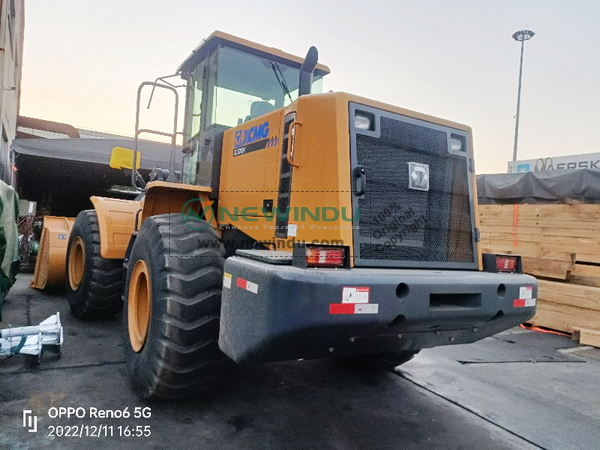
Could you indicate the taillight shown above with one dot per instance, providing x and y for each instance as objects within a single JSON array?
[
  {"x": 506, "y": 263},
  {"x": 501, "y": 263},
  {"x": 325, "y": 256}
]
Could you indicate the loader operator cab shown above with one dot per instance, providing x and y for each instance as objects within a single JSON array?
[{"x": 231, "y": 81}]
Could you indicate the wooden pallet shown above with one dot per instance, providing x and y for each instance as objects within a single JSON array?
[
  {"x": 560, "y": 244},
  {"x": 587, "y": 275},
  {"x": 568, "y": 307},
  {"x": 587, "y": 337},
  {"x": 543, "y": 230}
]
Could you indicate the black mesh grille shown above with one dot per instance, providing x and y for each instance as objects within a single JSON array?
[{"x": 401, "y": 224}]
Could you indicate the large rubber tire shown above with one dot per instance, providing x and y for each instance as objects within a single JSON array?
[
  {"x": 170, "y": 344},
  {"x": 93, "y": 284}
]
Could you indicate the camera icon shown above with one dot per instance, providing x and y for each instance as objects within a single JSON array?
[{"x": 30, "y": 421}]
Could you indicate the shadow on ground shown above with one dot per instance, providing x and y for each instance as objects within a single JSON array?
[{"x": 291, "y": 405}]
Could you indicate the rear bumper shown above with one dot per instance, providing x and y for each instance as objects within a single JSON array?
[{"x": 272, "y": 313}]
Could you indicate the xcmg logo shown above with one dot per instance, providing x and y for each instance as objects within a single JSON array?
[{"x": 256, "y": 133}]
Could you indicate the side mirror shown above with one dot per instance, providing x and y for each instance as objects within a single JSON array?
[{"x": 122, "y": 158}]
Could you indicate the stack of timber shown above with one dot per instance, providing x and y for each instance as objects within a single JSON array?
[{"x": 559, "y": 245}]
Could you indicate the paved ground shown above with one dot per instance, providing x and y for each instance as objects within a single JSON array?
[{"x": 513, "y": 391}]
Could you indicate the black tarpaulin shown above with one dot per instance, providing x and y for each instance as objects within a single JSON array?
[
  {"x": 62, "y": 174},
  {"x": 153, "y": 154},
  {"x": 558, "y": 186}
]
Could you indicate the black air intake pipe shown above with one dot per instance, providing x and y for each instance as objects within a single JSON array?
[{"x": 306, "y": 71}]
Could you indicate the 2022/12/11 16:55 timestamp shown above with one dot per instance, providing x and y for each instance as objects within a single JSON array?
[{"x": 99, "y": 431}]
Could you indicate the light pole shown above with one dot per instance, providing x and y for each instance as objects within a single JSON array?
[{"x": 521, "y": 36}]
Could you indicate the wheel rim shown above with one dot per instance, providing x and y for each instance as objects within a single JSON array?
[
  {"x": 76, "y": 262},
  {"x": 139, "y": 305}
]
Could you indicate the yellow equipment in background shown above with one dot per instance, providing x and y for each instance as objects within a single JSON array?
[
  {"x": 115, "y": 230},
  {"x": 50, "y": 265},
  {"x": 122, "y": 158}
]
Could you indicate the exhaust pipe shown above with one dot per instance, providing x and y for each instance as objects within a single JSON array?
[{"x": 306, "y": 71}]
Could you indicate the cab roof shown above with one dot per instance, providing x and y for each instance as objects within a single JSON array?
[{"x": 221, "y": 38}]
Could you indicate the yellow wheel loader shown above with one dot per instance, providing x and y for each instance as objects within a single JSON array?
[{"x": 302, "y": 225}]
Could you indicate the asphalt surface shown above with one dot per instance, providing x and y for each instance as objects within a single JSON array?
[{"x": 517, "y": 390}]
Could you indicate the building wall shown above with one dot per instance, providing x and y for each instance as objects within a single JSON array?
[{"x": 12, "y": 25}]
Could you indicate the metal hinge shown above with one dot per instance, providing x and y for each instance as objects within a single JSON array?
[
  {"x": 477, "y": 235},
  {"x": 471, "y": 165}
]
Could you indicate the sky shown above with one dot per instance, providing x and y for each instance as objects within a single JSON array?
[{"x": 83, "y": 61}]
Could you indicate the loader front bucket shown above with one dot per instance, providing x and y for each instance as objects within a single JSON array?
[{"x": 52, "y": 255}]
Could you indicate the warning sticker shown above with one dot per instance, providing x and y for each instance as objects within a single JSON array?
[
  {"x": 252, "y": 287},
  {"x": 247, "y": 285},
  {"x": 372, "y": 308},
  {"x": 530, "y": 302},
  {"x": 355, "y": 294},
  {"x": 356, "y": 308},
  {"x": 526, "y": 292},
  {"x": 524, "y": 302},
  {"x": 227, "y": 280}
]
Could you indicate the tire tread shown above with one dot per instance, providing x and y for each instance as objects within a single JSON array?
[
  {"x": 184, "y": 357},
  {"x": 104, "y": 283}
]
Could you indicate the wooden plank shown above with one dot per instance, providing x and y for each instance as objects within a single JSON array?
[
  {"x": 561, "y": 216},
  {"x": 580, "y": 213},
  {"x": 564, "y": 224},
  {"x": 564, "y": 317},
  {"x": 585, "y": 275},
  {"x": 535, "y": 235},
  {"x": 549, "y": 268},
  {"x": 543, "y": 230},
  {"x": 581, "y": 297},
  {"x": 544, "y": 250},
  {"x": 589, "y": 337},
  {"x": 591, "y": 244},
  {"x": 570, "y": 231},
  {"x": 586, "y": 270},
  {"x": 532, "y": 252}
]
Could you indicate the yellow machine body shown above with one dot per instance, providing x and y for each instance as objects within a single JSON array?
[
  {"x": 163, "y": 197},
  {"x": 116, "y": 221},
  {"x": 249, "y": 175},
  {"x": 321, "y": 176},
  {"x": 50, "y": 265},
  {"x": 117, "y": 218},
  {"x": 248, "y": 180}
]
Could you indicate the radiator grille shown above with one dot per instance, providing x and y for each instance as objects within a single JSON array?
[{"x": 407, "y": 225}]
